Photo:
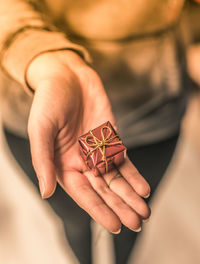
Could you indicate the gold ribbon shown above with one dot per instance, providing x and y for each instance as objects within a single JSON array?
[{"x": 101, "y": 143}]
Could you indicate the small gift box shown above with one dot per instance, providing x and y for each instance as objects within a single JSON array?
[{"x": 102, "y": 149}]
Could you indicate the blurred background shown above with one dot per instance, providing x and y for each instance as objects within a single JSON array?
[
  {"x": 148, "y": 54},
  {"x": 30, "y": 232}
]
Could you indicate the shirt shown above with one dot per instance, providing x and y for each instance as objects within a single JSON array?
[{"x": 137, "y": 48}]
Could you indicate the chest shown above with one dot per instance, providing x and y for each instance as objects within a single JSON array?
[{"x": 105, "y": 19}]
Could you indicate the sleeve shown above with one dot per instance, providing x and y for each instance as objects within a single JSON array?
[
  {"x": 193, "y": 47},
  {"x": 24, "y": 34}
]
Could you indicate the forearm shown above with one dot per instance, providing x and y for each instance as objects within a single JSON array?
[{"x": 24, "y": 35}]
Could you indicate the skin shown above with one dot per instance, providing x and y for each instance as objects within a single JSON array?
[
  {"x": 69, "y": 100},
  {"x": 193, "y": 58}
]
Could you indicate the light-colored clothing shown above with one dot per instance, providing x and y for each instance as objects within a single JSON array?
[
  {"x": 137, "y": 48},
  {"x": 172, "y": 234},
  {"x": 32, "y": 233}
]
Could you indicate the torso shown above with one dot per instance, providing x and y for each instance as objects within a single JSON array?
[{"x": 111, "y": 19}]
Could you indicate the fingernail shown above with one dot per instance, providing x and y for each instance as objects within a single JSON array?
[
  {"x": 147, "y": 196},
  {"x": 145, "y": 220},
  {"x": 42, "y": 187},
  {"x": 117, "y": 232},
  {"x": 137, "y": 230}
]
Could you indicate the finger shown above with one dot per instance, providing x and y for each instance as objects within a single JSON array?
[
  {"x": 42, "y": 152},
  {"x": 78, "y": 187},
  {"x": 127, "y": 216},
  {"x": 134, "y": 178},
  {"x": 122, "y": 188}
]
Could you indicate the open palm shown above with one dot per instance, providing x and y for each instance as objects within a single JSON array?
[{"x": 70, "y": 100}]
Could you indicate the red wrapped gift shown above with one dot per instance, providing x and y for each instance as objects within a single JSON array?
[{"x": 102, "y": 149}]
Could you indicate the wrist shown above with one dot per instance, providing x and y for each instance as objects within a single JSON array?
[{"x": 51, "y": 64}]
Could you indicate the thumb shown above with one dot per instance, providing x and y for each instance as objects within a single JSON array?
[{"x": 42, "y": 136}]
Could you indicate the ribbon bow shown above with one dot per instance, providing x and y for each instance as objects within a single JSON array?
[{"x": 101, "y": 143}]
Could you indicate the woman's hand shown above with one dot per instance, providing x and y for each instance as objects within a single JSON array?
[{"x": 69, "y": 100}]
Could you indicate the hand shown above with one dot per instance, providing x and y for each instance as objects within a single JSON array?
[
  {"x": 69, "y": 100},
  {"x": 193, "y": 62}
]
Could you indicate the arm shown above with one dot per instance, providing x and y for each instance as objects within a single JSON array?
[
  {"x": 69, "y": 100},
  {"x": 24, "y": 35}
]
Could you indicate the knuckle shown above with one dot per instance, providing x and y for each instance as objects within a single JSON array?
[
  {"x": 93, "y": 208},
  {"x": 117, "y": 203},
  {"x": 102, "y": 189},
  {"x": 82, "y": 188},
  {"x": 128, "y": 193},
  {"x": 96, "y": 206}
]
